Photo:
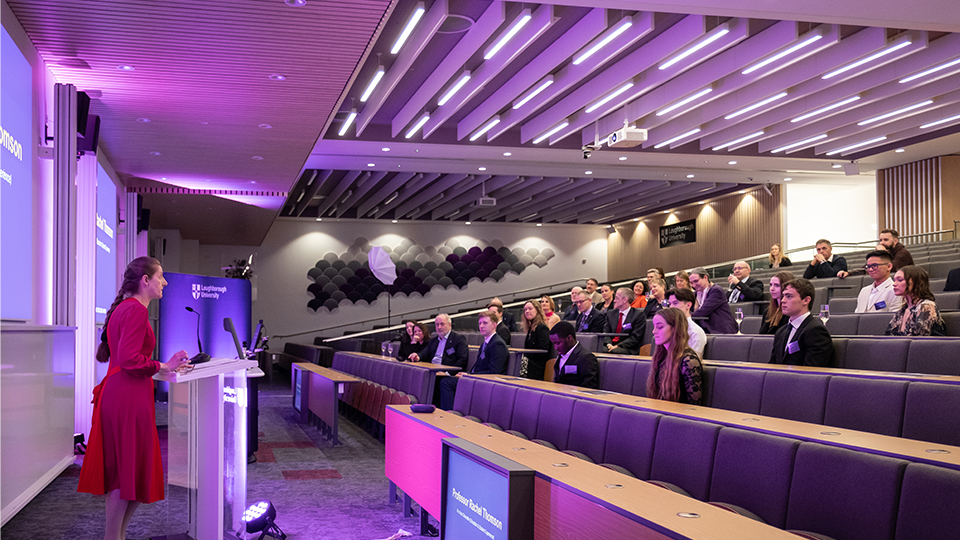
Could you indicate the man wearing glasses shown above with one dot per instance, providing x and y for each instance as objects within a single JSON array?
[{"x": 878, "y": 296}]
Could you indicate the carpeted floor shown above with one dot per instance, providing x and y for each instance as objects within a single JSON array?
[{"x": 320, "y": 491}]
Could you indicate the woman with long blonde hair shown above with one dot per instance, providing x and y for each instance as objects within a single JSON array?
[
  {"x": 533, "y": 322},
  {"x": 774, "y": 318},
  {"x": 777, "y": 260},
  {"x": 676, "y": 373}
]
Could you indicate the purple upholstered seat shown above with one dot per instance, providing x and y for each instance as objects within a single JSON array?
[
  {"x": 871, "y": 405},
  {"x": 640, "y": 374},
  {"x": 929, "y": 500},
  {"x": 501, "y": 403},
  {"x": 461, "y": 401},
  {"x": 882, "y": 354},
  {"x": 482, "y": 396},
  {"x": 873, "y": 324},
  {"x": 554, "y": 423},
  {"x": 844, "y": 324},
  {"x": 588, "y": 428},
  {"x": 930, "y": 413},
  {"x": 760, "y": 348},
  {"x": 732, "y": 348},
  {"x": 934, "y": 355},
  {"x": 631, "y": 435},
  {"x": 616, "y": 375},
  {"x": 526, "y": 412},
  {"x": 794, "y": 396},
  {"x": 737, "y": 389},
  {"x": 693, "y": 442}
]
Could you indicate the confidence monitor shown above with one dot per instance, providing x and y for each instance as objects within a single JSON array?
[
  {"x": 485, "y": 495},
  {"x": 228, "y": 327}
]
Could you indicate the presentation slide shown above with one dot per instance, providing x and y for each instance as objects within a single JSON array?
[
  {"x": 107, "y": 285},
  {"x": 213, "y": 298},
  {"x": 477, "y": 500},
  {"x": 16, "y": 183}
]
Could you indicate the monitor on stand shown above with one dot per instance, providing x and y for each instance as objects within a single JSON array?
[
  {"x": 258, "y": 337},
  {"x": 228, "y": 327}
]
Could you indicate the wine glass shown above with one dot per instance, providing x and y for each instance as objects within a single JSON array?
[
  {"x": 824, "y": 313},
  {"x": 390, "y": 349},
  {"x": 739, "y": 317},
  {"x": 383, "y": 349}
]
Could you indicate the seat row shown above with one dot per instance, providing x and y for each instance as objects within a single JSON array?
[
  {"x": 897, "y": 408},
  {"x": 794, "y": 485},
  {"x": 366, "y": 404},
  {"x": 414, "y": 381}
]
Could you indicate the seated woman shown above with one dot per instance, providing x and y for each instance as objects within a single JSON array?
[
  {"x": 533, "y": 365},
  {"x": 606, "y": 292},
  {"x": 774, "y": 318},
  {"x": 777, "y": 260},
  {"x": 919, "y": 314},
  {"x": 640, "y": 295},
  {"x": 407, "y": 335},
  {"x": 676, "y": 373},
  {"x": 549, "y": 306},
  {"x": 421, "y": 335},
  {"x": 657, "y": 301},
  {"x": 682, "y": 280}
]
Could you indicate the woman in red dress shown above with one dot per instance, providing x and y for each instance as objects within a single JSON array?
[{"x": 123, "y": 456}]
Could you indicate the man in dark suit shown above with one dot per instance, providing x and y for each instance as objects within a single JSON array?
[
  {"x": 713, "y": 313},
  {"x": 804, "y": 341},
  {"x": 589, "y": 319},
  {"x": 445, "y": 347},
  {"x": 572, "y": 312},
  {"x": 825, "y": 264},
  {"x": 575, "y": 366},
  {"x": 623, "y": 319},
  {"x": 505, "y": 316},
  {"x": 492, "y": 358},
  {"x": 502, "y": 330},
  {"x": 743, "y": 288}
]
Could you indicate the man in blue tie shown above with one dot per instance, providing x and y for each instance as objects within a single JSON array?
[
  {"x": 492, "y": 358},
  {"x": 589, "y": 319}
]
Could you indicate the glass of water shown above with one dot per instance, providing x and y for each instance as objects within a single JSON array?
[
  {"x": 739, "y": 317},
  {"x": 390, "y": 349},
  {"x": 824, "y": 313}
]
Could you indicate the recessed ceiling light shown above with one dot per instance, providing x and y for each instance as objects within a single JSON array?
[
  {"x": 666, "y": 211},
  {"x": 295, "y": 3},
  {"x": 278, "y": 77},
  {"x": 507, "y": 154},
  {"x": 587, "y": 172},
  {"x": 163, "y": 178},
  {"x": 836, "y": 166},
  {"x": 319, "y": 219},
  {"x": 394, "y": 221},
  {"x": 265, "y": 126},
  {"x": 258, "y": 158},
  {"x": 732, "y": 162},
  {"x": 204, "y": 123},
  {"x": 125, "y": 67},
  {"x": 702, "y": 202},
  {"x": 466, "y": 222},
  {"x": 636, "y": 219},
  {"x": 622, "y": 158},
  {"x": 385, "y": 149},
  {"x": 144, "y": 120},
  {"x": 154, "y": 153},
  {"x": 787, "y": 179},
  {"x": 539, "y": 224},
  {"x": 481, "y": 168},
  {"x": 742, "y": 191},
  {"x": 901, "y": 150},
  {"x": 690, "y": 176},
  {"x": 371, "y": 164},
  {"x": 252, "y": 182}
]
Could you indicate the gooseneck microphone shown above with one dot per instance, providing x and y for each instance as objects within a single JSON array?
[{"x": 201, "y": 356}]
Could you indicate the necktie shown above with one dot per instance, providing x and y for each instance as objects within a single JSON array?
[
  {"x": 583, "y": 323},
  {"x": 619, "y": 327},
  {"x": 479, "y": 356}
]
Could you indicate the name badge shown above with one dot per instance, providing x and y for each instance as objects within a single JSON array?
[
  {"x": 570, "y": 370},
  {"x": 880, "y": 305},
  {"x": 627, "y": 326},
  {"x": 793, "y": 347},
  {"x": 450, "y": 350}
]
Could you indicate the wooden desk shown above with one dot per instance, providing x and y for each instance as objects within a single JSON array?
[
  {"x": 320, "y": 391},
  {"x": 573, "y": 498},
  {"x": 434, "y": 367},
  {"x": 939, "y": 455}
]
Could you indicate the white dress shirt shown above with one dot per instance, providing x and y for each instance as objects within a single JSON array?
[{"x": 697, "y": 339}]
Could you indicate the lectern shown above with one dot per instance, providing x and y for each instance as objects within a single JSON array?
[{"x": 207, "y": 446}]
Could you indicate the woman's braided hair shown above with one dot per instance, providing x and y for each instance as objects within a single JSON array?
[{"x": 137, "y": 268}]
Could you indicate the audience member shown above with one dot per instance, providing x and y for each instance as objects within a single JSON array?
[
  {"x": 549, "y": 306},
  {"x": 623, "y": 319},
  {"x": 774, "y": 318},
  {"x": 502, "y": 330},
  {"x": 953, "y": 281},
  {"x": 879, "y": 295},
  {"x": 572, "y": 312},
  {"x": 421, "y": 334},
  {"x": 919, "y": 314},
  {"x": 824, "y": 263},
  {"x": 492, "y": 358},
  {"x": 591, "y": 289},
  {"x": 777, "y": 258},
  {"x": 889, "y": 242},
  {"x": 676, "y": 373},
  {"x": 682, "y": 280},
  {"x": 589, "y": 319},
  {"x": 804, "y": 341},
  {"x": 639, "y": 295},
  {"x": 743, "y": 288},
  {"x": 505, "y": 316},
  {"x": 447, "y": 347},
  {"x": 713, "y": 307},
  {"x": 407, "y": 334},
  {"x": 533, "y": 365},
  {"x": 658, "y": 299},
  {"x": 683, "y": 300},
  {"x": 653, "y": 274},
  {"x": 606, "y": 293},
  {"x": 575, "y": 365}
]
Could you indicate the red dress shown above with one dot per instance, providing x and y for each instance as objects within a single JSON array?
[{"x": 129, "y": 448}]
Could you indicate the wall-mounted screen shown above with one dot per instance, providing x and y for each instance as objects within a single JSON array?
[
  {"x": 213, "y": 298},
  {"x": 106, "y": 243},
  {"x": 16, "y": 182}
]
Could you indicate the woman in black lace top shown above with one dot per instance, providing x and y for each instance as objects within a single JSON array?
[
  {"x": 919, "y": 314},
  {"x": 676, "y": 373}
]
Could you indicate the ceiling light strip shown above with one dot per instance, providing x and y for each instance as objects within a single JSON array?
[
  {"x": 348, "y": 122},
  {"x": 738, "y": 141},
  {"x": 938, "y": 122},
  {"x": 416, "y": 127},
  {"x": 858, "y": 145},
  {"x": 799, "y": 144},
  {"x": 464, "y": 79},
  {"x": 493, "y": 121},
  {"x": 408, "y": 29},
  {"x": 930, "y": 71},
  {"x": 560, "y": 126},
  {"x": 896, "y": 112},
  {"x": 610, "y": 97},
  {"x": 541, "y": 86},
  {"x": 677, "y": 138},
  {"x": 519, "y": 23},
  {"x": 714, "y": 35},
  {"x": 822, "y": 110},
  {"x": 871, "y": 58},
  {"x": 373, "y": 84},
  {"x": 604, "y": 40},
  {"x": 786, "y": 52},
  {"x": 756, "y": 105},
  {"x": 684, "y": 101}
]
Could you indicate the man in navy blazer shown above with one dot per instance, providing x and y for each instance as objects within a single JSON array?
[
  {"x": 575, "y": 365},
  {"x": 804, "y": 341},
  {"x": 713, "y": 311},
  {"x": 743, "y": 288},
  {"x": 445, "y": 347},
  {"x": 623, "y": 319},
  {"x": 492, "y": 358},
  {"x": 589, "y": 319}
]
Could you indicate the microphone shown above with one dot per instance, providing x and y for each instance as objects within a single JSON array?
[{"x": 201, "y": 356}]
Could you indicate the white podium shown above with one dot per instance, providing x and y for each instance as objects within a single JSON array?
[{"x": 207, "y": 447}]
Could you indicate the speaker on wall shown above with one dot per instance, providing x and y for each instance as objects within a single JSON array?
[
  {"x": 88, "y": 140},
  {"x": 851, "y": 169},
  {"x": 83, "y": 111}
]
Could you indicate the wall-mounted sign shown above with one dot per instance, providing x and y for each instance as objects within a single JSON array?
[{"x": 676, "y": 234}]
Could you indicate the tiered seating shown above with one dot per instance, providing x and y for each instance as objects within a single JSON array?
[{"x": 304, "y": 352}]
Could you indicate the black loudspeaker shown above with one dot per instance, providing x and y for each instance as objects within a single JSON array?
[
  {"x": 83, "y": 111},
  {"x": 143, "y": 220},
  {"x": 88, "y": 140}
]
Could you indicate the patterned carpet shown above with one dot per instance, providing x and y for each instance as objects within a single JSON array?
[{"x": 320, "y": 491}]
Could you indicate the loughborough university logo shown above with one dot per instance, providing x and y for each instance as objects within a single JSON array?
[
  {"x": 196, "y": 291},
  {"x": 206, "y": 291}
]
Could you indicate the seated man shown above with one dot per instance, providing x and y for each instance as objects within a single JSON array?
[
  {"x": 804, "y": 341},
  {"x": 572, "y": 312},
  {"x": 683, "y": 300},
  {"x": 502, "y": 329},
  {"x": 889, "y": 242},
  {"x": 446, "y": 347},
  {"x": 743, "y": 288},
  {"x": 825, "y": 264},
  {"x": 623, "y": 319},
  {"x": 575, "y": 365},
  {"x": 713, "y": 305},
  {"x": 505, "y": 316},
  {"x": 879, "y": 295},
  {"x": 591, "y": 289},
  {"x": 588, "y": 320},
  {"x": 492, "y": 358}
]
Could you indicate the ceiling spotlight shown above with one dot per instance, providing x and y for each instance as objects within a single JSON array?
[
  {"x": 144, "y": 120},
  {"x": 393, "y": 221},
  {"x": 666, "y": 211},
  {"x": 900, "y": 150},
  {"x": 125, "y": 67},
  {"x": 636, "y": 219},
  {"x": 587, "y": 172},
  {"x": 690, "y": 176},
  {"x": 702, "y": 202},
  {"x": 278, "y": 77},
  {"x": 836, "y": 166},
  {"x": 732, "y": 162},
  {"x": 539, "y": 224},
  {"x": 622, "y": 158},
  {"x": 466, "y": 222},
  {"x": 265, "y": 126},
  {"x": 319, "y": 219},
  {"x": 295, "y": 3},
  {"x": 385, "y": 149},
  {"x": 371, "y": 164},
  {"x": 742, "y": 191},
  {"x": 481, "y": 168},
  {"x": 787, "y": 179},
  {"x": 507, "y": 154},
  {"x": 154, "y": 153},
  {"x": 258, "y": 158}
]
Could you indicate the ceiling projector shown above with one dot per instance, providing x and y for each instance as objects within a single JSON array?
[
  {"x": 486, "y": 201},
  {"x": 627, "y": 137}
]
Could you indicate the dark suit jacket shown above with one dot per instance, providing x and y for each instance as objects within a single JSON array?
[
  {"x": 715, "y": 308},
  {"x": 492, "y": 358},
  {"x": 953, "y": 281},
  {"x": 594, "y": 323},
  {"x": 504, "y": 333},
  {"x": 455, "y": 353},
  {"x": 635, "y": 324},
  {"x": 814, "y": 345},
  {"x": 510, "y": 321},
  {"x": 581, "y": 369},
  {"x": 539, "y": 338},
  {"x": 570, "y": 314},
  {"x": 826, "y": 269},
  {"x": 751, "y": 290}
]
